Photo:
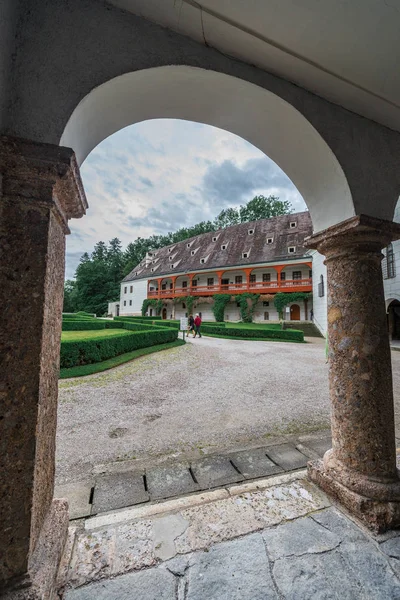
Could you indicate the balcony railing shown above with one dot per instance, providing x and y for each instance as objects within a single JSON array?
[{"x": 271, "y": 287}]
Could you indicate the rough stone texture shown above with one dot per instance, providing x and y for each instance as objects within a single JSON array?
[
  {"x": 255, "y": 463},
  {"x": 318, "y": 443},
  {"x": 118, "y": 491},
  {"x": 360, "y": 470},
  {"x": 214, "y": 471},
  {"x": 287, "y": 456},
  {"x": 156, "y": 584},
  {"x": 41, "y": 189},
  {"x": 78, "y": 496},
  {"x": 237, "y": 570},
  {"x": 166, "y": 530},
  {"x": 165, "y": 482}
]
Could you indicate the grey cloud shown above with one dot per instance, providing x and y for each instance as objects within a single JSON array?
[
  {"x": 228, "y": 185},
  {"x": 146, "y": 181}
]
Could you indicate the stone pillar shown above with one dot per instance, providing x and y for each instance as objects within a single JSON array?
[
  {"x": 40, "y": 190},
  {"x": 360, "y": 469}
]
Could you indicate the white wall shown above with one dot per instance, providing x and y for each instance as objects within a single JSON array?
[
  {"x": 131, "y": 301},
  {"x": 392, "y": 285},
  {"x": 320, "y": 304},
  {"x": 112, "y": 308}
]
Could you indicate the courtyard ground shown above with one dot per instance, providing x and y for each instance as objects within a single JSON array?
[{"x": 207, "y": 397}]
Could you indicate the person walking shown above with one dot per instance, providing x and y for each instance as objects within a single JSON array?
[
  {"x": 197, "y": 324},
  {"x": 191, "y": 324}
]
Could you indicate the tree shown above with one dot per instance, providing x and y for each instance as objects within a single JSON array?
[
  {"x": 69, "y": 296},
  {"x": 261, "y": 207},
  {"x": 226, "y": 218}
]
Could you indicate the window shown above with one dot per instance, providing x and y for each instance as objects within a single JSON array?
[
  {"x": 131, "y": 289},
  {"x": 238, "y": 279},
  {"x": 130, "y": 302},
  {"x": 310, "y": 273},
  {"x": 390, "y": 262},
  {"x": 266, "y": 316},
  {"x": 265, "y": 303},
  {"x": 164, "y": 286},
  {"x": 291, "y": 249},
  {"x": 245, "y": 254},
  {"x": 172, "y": 266},
  {"x": 136, "y": 273},
  {"x": 223, "y": 247},
  {"x": 170, "y": 249},
  {"x": 124, "y": 302},
  {"x": 266, "y": 276},
  {"x": 183, "y": 305},
  {"x": 283, "y": 276},
  {"x": 270, "y": 240},
  {"x": 202, "y": 261},
  {"x": 238, "y": 304},
  {"x": 215, "y": 239},
  {"x": 251, "y": 232},
  {"x": 184, "y": 284},
  {"x": 253, "y": 278},
  {"x": 171, "y": 286},
  {"x": 170, "y": 258},
  {"x": 194, "y": 283},
  {"x": 125, "y": 290},
  {"x": 193, "y": 252},
  {"x": 210, "y": 281},
  {"x": 296, "y": 275},
  {"x": 224, "y": 281},
  {"x": 151, "y": 312},
  {"x": 293, "y": 224},
  {"x": 321, "y": 290}
]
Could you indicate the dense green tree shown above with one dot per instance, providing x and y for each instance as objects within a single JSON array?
[
  {"x": 261, "y": 207},
  {"x": 69, "y": 296}
]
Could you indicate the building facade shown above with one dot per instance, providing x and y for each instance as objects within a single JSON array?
[{"x": 263, "y": 257}]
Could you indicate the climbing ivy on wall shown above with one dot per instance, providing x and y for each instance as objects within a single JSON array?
[
  {"x": 247, "y": 304},
  {"x": 190, "y": 302},
  {"x": 152, "y": 302},
  {"x": 282, "y": 299},
  {"x": 220, "y": 302}
]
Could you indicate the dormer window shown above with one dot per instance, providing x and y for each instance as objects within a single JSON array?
[
  {"x": 291, "y": 249},
  {"x": 202, "y": 261},
  {"x": 270, "y": 240},
  {"x": 245, "y": 254},
  {"x": 170, "y": 258},
  {"x": 292, "y": 224},
  {"x": 189, "y": 244},
  {"x": 172, "y": 266},
  {"x": 193, "y": 252},
  {"x": 152, "y": 270},
  {"x": 224, "y": 246},
  {"x": 251, "y": 232}
]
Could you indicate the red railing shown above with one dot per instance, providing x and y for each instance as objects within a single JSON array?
[{"x": 266, "y": 287}]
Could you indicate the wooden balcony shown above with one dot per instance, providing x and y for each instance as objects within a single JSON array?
[{"x": 257, "y": 287}]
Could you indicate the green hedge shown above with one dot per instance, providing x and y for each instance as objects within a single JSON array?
[
  {"x": 83, "y": 352},
  {"x": 113, "y": 325},
  {"x": 273, "y": 334},
  {"x": 76, "y": 317},
  {"x": 122, "y": 318},
  {"x": 82, "y": 325}
]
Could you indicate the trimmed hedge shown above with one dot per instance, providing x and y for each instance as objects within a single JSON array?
[
  {"x": 273, "y": 334},
  {"x": 76, "y": 317},
  {"x": 83, "y": 352},
  {"x": 82, "y": 325}
]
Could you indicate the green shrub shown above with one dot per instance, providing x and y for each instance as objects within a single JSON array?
[
  {"x": 83, "y": 352},
  {"x": 272, "y": 334},
  {"x": 76, "y": 317},
  {"x": 82, "y": 325},
  {"x": 114, "y": 325}
]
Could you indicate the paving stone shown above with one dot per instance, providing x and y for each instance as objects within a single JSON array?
[
  {"x": 214, "y": 471},
  {"x": 303, "y": 536},
  {"x": 287, "y": 457},
  {"x": 172, "y": 480},
  {"x": 78, "y": 496},
  {"x": 153, "y": 584},
  {"x": 320, "y": 444},
  {"x": 118, "y": 491},
  {"x": 236, "y": 570},
  {"x": 391, "y": 547},
  {"x": 133, "y": 548},
  {"x": 255, "y": 463},
  {"x": 338, "y": 523}
]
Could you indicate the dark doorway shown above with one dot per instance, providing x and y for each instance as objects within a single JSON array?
[
  {"x": 164, "y": 313},
  {"x": 393, "y": 319}
]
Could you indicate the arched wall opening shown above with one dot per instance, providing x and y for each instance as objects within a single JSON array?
[{"x": 251, "y": 112}]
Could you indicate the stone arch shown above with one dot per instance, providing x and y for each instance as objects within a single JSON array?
[{"x": 261, "y": 117}]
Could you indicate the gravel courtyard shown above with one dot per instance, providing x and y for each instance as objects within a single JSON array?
[{"x": 211, "y": 395}]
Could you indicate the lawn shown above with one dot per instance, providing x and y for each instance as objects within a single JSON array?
[{"x": 88, "y": 334}]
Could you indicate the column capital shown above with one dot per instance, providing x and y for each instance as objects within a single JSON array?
[
  {"x": 361, "y": 231},
  {"x": 44, "y": 173}
]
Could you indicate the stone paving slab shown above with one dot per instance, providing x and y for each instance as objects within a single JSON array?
[
  {"x": 78, "y": 495},
  {"x": 255, "y": 463},
  {"x": 118, "y": 491},
  {"x": 320, "y": 444},
  {"x": 215, "y": 471},
  {"x": 169, "y": 481},
  {"x": 287, "y": 457}
]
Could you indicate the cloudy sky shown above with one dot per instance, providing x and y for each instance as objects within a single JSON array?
[{"x": 159, "y": 175}]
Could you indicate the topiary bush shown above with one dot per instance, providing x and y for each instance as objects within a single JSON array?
[
  {"x": 82, "y": 325},
  {"x": 272, "y": 334},
  {"x": 86, "y": 351}
]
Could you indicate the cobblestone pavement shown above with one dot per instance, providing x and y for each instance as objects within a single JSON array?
[
  {"x": 208, "y": 397},
  {"x": 275, "y": 539}
]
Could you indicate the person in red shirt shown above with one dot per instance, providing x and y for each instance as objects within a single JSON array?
[{"x": 197, "y": 324}]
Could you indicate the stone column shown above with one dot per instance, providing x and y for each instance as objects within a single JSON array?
[
  {"x": 360, "y": 469},
  {"x": 41, "y": 189}
]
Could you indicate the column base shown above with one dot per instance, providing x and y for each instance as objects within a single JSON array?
[
  {"x": 377, "y": 515},
  {"x": 40, "y": 581}
]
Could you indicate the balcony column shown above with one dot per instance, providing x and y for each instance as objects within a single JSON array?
[
  {"x": 41, "y": 189},
  {"x": 219, "y": 275},
  {"x": 247, "y": 272},
  {"x": 159, "y": 282},
  {"x": 360, "y": 469}
]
